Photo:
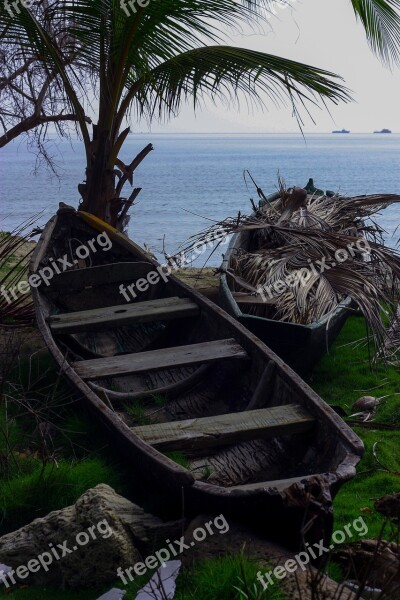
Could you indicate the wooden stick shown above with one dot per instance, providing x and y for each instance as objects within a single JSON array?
[{"x": 264, "y": 385}]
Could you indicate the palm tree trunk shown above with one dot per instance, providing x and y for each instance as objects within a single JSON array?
[
  {"x": 102, "y": 191},
  {"x": 99, "y": 193}
]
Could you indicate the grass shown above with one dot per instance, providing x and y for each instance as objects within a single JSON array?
[
  {"x": 225, "y": 578},
  {"x": 160, "y": 400},
  {"x": 85, "y": 460},
  {"x": 211, "y": 579},
  {"x": 37, "y": 490},
  {"x": 138, "y": 412},
  {"x": 340, "y": 379},
  {"x": 215, "y": 578},
  {"x": 179, "y": 457},
  {"x": 34, "y": 482}
]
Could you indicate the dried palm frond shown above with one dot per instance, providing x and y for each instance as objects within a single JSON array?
[
  {"x": 16, "y": 308},
  {"x": 391, "y": 347},
  {"x": 295, "y": 235}
]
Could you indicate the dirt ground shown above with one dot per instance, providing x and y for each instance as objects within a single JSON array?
[{"x": 204, "y": 281}]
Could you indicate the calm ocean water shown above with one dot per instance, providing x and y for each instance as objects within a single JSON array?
[{"x": 203, "y": 174}]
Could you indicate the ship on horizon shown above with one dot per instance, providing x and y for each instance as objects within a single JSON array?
[
  {"x": 341, "y": 131},
  {"x": 383, "y": 131}
]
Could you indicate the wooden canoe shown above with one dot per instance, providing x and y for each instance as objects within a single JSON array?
[{"x": 195, "y": 401}]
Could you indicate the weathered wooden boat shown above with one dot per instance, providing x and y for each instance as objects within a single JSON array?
[
  {"x": 300, "y": 346},
  {"x": 196, "y": 402}
]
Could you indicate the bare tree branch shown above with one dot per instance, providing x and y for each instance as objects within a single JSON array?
[{"x": 32, "y": 123}]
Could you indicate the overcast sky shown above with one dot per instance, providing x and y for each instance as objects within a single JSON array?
[{"x": 323, "y": 33}]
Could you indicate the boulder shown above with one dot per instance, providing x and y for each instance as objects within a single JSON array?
[{"x": 83, "y": 545}]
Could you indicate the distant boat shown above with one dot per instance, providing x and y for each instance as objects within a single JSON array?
[
  {"x": 341, "y": 131},
  {"x": 383, "y": 131}
]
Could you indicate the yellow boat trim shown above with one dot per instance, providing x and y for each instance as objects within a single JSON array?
[{"x": 113, "y": 233}]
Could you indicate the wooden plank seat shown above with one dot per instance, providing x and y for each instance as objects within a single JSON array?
[
  {"x": 140, "y": 362},
  {"x": 278, "y": 484},
  {"x": 242, "y": 298},
  {"x": 207, "y": 432},
  {"x": 163, "y": 309},
  {"x": 78, "y": 279}
]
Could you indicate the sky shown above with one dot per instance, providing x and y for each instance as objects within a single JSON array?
[{"x": 322, "y": 33}]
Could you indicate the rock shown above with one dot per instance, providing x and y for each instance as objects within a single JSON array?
[
  {"x": 84, "y": 545},
  {"x": 389, "y": 506},
  {"x": 366, "y": 403},
  {"x": 300, "y": 585}
]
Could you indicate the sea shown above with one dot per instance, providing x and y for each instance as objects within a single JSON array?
[{"x": 191, "y": 181}]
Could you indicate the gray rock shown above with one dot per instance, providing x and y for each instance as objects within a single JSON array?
[{"x": 92, "y": 539}]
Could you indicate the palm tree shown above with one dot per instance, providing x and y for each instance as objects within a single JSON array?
[{"x": 149, "y": 56}]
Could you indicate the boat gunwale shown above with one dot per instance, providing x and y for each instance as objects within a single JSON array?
[{"x": 354, "y": 448}]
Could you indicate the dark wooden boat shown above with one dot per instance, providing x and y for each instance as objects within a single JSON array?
[
  {"x": 300, "y": 346},
  {"x": 252, "y": 438}
]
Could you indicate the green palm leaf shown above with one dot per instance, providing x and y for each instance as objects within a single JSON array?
[
  {"x": 381, "y": 20},
  {"x": 223, "y": 72}
]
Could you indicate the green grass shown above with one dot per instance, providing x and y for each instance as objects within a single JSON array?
[
  {"x": 334, "y": 571},
  {"x": 179, "y": 457},
  {"x": 31, "y": 487},
  {"x": 37, "y": 490},
  {"x": 340, "y": 379},
  {"x": 211, "y": 579},
  {"x": 214, "y": 579},
  {"x": 342, "y": 376},
  {"x": 218, "y": 578},
  {"x": 160, "y": 400},
  {"x": 138, "y": 412}
]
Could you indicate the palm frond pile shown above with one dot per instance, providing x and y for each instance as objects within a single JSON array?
[
  {"x": 16, "y": 308},
  {"x": 304, "y": 253}
]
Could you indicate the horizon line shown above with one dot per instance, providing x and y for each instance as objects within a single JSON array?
[{"x": 256, "y": 133}]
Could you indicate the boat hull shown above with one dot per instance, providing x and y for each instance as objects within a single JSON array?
[
  {"x": 292, "y": 479},
  {"x": 300, "y": 346}
]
